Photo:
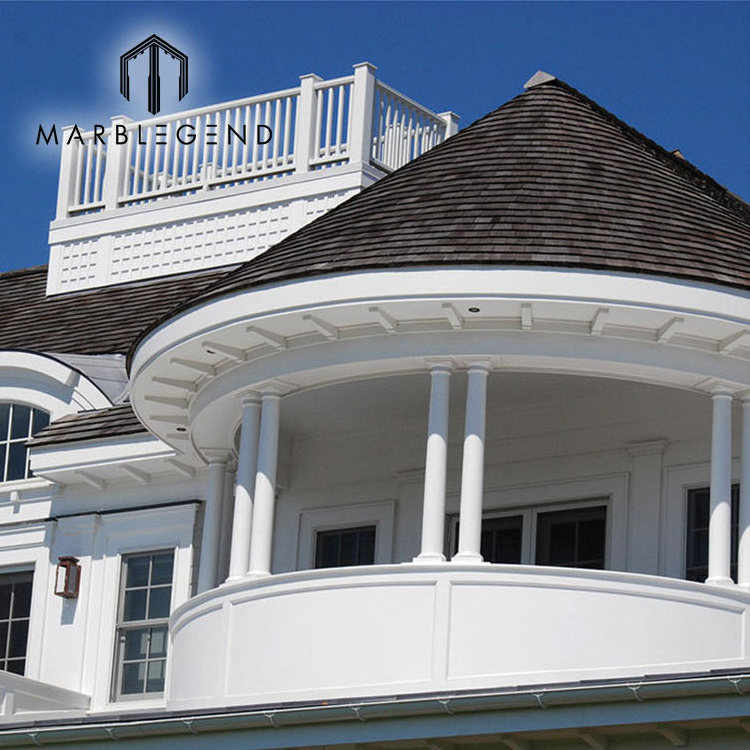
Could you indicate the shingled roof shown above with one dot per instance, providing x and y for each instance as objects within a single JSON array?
[
  {"x": 95, "y": 321},
  {"x": 548, "y": 179},
  {"x": 115, "y": 421}
]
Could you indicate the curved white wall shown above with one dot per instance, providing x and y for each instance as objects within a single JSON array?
[{"x": 355, "y": 632}]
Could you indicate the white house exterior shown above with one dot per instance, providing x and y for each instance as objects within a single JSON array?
[{"x": 455, "y": 458}]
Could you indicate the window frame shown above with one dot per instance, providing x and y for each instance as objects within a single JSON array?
[
  {"x": 734, "y": 528},
  {"x": 6, "y": 440},
  {"x": 530, "y": 524},
  {"x": 344, "y": 530},
  {"x": 121, "y": 626},
  {"x": 13, "y": 576}
]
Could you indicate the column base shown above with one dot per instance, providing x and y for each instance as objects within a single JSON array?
[
  {"x": 472, "y": 558},
  {"x": 256, "y": 574},
  {"x": 722, "y": 581},
  {"x": 427, "y": 558}
]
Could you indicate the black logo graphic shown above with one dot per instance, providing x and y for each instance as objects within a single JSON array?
[{"x": 153, "y": 44}]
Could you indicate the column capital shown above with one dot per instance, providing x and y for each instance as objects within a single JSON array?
[
  {"x": 743, "y": 397},
  {"x": 480, "y": 364},
  {"x": 216, "y": 455},
  {"x": 717, "y": 387},
  {"x": 439, "y": 364},
  {"x": 249, "y": 397},
  {"x": 275, "y": 387}
]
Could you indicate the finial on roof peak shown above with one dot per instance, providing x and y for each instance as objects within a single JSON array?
[{"x": 538, "y": 78}]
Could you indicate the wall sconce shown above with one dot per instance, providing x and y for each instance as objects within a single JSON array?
[{"x": 68, "y": 578}]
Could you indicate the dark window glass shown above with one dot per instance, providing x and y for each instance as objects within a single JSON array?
[
  {"x": 501, "y": 539},
  {"x": 573, "y": 538},
  {"x": 18, "y": 423},
  {"x": 698, "y": 515},
  {"x": 142, "y": 631},
  {"x": 15, "y": 608},
  {"x": 340, "y": 547}
]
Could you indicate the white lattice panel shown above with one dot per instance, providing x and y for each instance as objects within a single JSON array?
[{"x": 79, "y": 264}]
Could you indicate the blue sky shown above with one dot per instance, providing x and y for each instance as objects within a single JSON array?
[{"x": 679, "y": 72}]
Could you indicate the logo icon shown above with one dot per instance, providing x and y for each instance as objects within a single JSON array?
[{"x": 153, "y": 44}]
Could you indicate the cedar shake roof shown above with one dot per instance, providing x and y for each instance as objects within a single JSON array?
[
  {"x": 90, "y": 425},
  {"x": 548, "y": 179},
  {"x": 95, "y": 321}
]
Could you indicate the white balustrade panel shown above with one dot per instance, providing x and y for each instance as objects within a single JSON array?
[
  {"x": 332, "y": 122},
  {"x": 209, "y": 148},
  {"x": 89, "y": 161},
  {"x": 400, "y": 629}
]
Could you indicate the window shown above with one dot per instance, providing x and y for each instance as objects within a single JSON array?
[
  {"x": 573, "y": 538},
  {"x": 18, "y": 423},
  {"x": 15, "y": 607},
  {"x": 338, "y": 547},
  {"x": 698, "y": 514},
  {"x": 502, "y": 539},
  {"x": 142, "y": 632}
]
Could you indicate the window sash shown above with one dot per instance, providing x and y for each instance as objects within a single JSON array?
[{"x": 124, "y": 665}]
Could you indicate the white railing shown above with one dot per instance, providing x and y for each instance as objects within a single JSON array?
[
  {"x": 319, "y": 124},
  {"x": 403, "y": 129}
]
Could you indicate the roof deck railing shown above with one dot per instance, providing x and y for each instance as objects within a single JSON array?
[{"x": 317, "y": 125}]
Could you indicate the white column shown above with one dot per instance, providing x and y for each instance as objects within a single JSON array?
[
  {"x": 209, "y": 561},
  {"x": 743, "y": 552},
  {"x": 243, "y": 495},
  {"x": 719, "y": 525},
  {"x": 436, "y": 465},
  {"x": 261, "y": 537},
  {"x": 472, "y": 471}
]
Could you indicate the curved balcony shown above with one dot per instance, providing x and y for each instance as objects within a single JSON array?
[{"x": 408, "y": 629}]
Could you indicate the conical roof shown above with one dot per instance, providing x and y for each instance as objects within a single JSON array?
[{"x": 548, "y": 179}]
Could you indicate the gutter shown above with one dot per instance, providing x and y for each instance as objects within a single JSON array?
[{"x": 280, "y": 716}]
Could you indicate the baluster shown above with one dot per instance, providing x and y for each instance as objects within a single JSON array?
[
  {"x": 87, "y": 180},
  {"x": 236, "y": 145},
  {"x": 185, "y": 149},
  {"x": 248, "y": 136},
  {"x": 340, "y": 120},
  {"x": 195, "y": 176},
  {"x": 287, "y": 127},
  {"x": 147, "y": 161},
  {"x": 318, "y": 123},
  {"x": 266, "y": 120},
  {"x": 97, "y": 173},
  {"x": 276, "y": 126},
  {"x": 127, "y": 172},
  {"x": 256, "y": 122},
  {"x": 329, "y": 121},
  {"x": 214, "y": 173},
  {"x": 166, "y": 173}
]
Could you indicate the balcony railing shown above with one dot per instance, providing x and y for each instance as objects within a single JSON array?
[{"x": 317, "y": 125}]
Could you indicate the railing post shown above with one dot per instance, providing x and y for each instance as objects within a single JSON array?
[
  {"x": 362, "y": 102},
  {"x": 306, "y": 112},
  {"x": 67, "y": 181},
  {"x": 114, "y": 165},
  {"x": 451, "y": 123}
]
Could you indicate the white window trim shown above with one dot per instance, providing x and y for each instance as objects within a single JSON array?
[
  {"x": 124, "y": 534},
  {"x": 380, "y": 514}
]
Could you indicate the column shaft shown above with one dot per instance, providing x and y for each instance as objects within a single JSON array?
[
  {"x": 209, "y": 561},
  {"x": 472, "y": 472},
  {"x": 243, "y": 497},
  {"x": 261, "y": 537},
  {"x": 436, "y": 465},
  {"x": 743, "y": 552},
  {"x": 719, "y": 525}
]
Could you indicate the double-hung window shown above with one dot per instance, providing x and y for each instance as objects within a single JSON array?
[
  {"x": 142, "y": 627},
  {"x": 18, "y": 423},
  {"x": 15, "y": 609}
]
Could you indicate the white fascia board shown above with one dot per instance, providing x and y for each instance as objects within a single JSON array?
[
  {"x": 475, "y": 283},
  {"x": 89, "y": 454},
  {"x": 263, "y": 193}
]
